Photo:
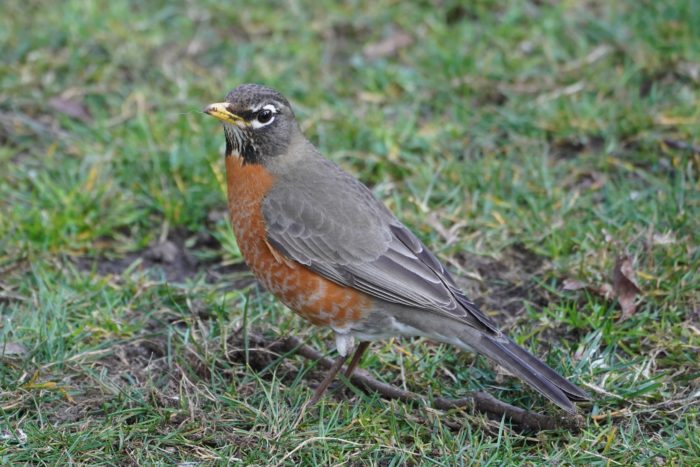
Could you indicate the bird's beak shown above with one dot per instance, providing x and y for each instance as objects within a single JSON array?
[{"x": 221, "y": 111}]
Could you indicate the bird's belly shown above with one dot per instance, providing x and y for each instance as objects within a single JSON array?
[{"x": 315, "y": 298}]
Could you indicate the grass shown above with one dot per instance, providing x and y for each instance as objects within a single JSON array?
[{"x": 526, "y": 142}]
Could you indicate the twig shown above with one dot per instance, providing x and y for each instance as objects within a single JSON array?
[
  {"x": 486, "y": 403},
  {"x": 478, "y": 401}
]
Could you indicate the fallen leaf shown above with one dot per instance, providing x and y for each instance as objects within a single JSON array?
[
  {"x": 625, "y": 286},
  {"x": 388, "y": 46},
  {"x": 12, "y": 349},
  {"x": 71, "y": 107}
]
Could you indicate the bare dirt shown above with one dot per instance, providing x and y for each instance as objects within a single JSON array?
[
  {"x": 173, "y": 261},
  {"x": 507, "y": 283}
]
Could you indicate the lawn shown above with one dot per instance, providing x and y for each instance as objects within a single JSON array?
[{"x": 530, "y": 144}]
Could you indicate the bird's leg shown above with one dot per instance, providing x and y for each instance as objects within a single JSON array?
[
  {"x": 361, "y": 347},
  {"x": 344, "y": 343},
  {"x": 321, "y": 388}
]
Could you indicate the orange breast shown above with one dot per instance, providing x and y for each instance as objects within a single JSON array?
[{"x": 315, "y": 298}]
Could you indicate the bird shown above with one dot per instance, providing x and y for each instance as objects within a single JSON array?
[{"x": 322, "y": 243}]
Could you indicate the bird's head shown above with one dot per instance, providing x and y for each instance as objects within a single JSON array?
[{"x": 259, "y": 123}]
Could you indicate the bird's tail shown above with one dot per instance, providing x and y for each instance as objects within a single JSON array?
[{"x": 531, "y": 370}]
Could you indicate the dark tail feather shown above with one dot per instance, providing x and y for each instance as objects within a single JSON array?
[
  {"x": 573, "y": 392},
  {"x": 534, "y": 372}
]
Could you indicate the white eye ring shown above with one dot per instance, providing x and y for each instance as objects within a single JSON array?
[{"x": 257, "y": 124}]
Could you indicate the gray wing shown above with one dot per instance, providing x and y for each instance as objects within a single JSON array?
[{"x": 335, "y": 227}]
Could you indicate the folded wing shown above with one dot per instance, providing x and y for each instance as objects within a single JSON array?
[{"x": 352, "y": 239}]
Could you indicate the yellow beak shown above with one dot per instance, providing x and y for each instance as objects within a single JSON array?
[{"x": 221, "y": 111}]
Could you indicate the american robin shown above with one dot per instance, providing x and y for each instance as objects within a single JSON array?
[{"x": 319, "y": 240}]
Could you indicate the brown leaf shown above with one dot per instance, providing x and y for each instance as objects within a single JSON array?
[
  {"x": 388, "y": 46},
  {"x": 71, "y": 107},
  {"x": 625, "y": 286}
]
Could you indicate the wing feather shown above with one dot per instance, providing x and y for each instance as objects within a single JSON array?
[{"x": 352, "y": 239}]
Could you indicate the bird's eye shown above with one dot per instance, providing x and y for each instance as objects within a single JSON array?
[{"x": 264, "y": 116}]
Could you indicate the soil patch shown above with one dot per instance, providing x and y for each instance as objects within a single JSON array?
[
  {"x": 508, "y": 283},
  {"x": 572, "y": 147},
  {"x": 175, "y": 262}
]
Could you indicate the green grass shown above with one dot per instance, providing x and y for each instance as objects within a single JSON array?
[{"x": 555, "y": 136}]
